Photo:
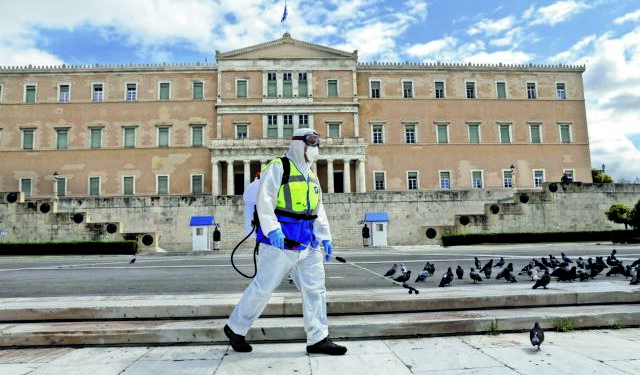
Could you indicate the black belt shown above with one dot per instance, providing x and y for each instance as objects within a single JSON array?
[{"x": 295, "y": 216}]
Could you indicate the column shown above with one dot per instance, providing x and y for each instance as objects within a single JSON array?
[
  {"x": 215, "y": 178},
  {"x": 361, "y": 179},
  {"x": 247, "y": 172},
  {"x": 329, "y": 175},
  {"x": 230, "y": 177},
  {"x": 347, "y": 176}
]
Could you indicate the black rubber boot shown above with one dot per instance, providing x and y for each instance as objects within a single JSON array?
[
  {"x": 326, "y": 346},
  {"x": 238, "y": 343}
]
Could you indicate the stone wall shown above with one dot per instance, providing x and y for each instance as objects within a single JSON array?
[{"x": 572, "y": 207}]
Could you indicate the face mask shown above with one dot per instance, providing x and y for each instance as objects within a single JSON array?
[{"x": 312, "y": 153}]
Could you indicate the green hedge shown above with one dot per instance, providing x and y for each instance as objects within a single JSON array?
[
  {"x": 70, "y": 248},
  {"x": 615, "y": 236}
]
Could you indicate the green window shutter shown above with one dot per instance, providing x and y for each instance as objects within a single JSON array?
[
  {"x": 502, "y": 91},
  {"x": 535, "y": 134},
  {"x": 128, "y": 185},
  {"x": 241, "y": 89},
  {"x": 474, "y": 134},
  {"x": 27, "y": 139},
  {"x": 565, "y": 134},
  {"x": 164, "y": 91},
  {"x": 163, "y": 137},
  {"x": 332, "y": 91},
  {"x": 62, "y": 139},
  {"x": 163, "y": 185},
  {"x": 197, "y": 136},
  {"x": 198, "y": 92},
  {"x": 504, "y": 134},
  {"x": 442, "y": 134},
  {"x": 196, "y": 184},
  {"x": 96, "y": 138},
  {"x": 94, "y": 186},
  {"x": 30, "y": 97},
  {"x": 129, "y": 138}
]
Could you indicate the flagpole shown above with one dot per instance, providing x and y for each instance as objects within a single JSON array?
[{"x": 284, "y": 15}]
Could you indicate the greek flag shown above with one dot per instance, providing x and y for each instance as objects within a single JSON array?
[{"x": 284, "y": 14}]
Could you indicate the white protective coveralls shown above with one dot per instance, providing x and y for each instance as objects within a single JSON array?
[
  {"x": 249, "y": 197},
  {"x": 306, "y": 266}
]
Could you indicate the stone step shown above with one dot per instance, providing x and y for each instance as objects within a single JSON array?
[
  {"x": 371, "y": 326},
  {"x": 352, "y": 302}
]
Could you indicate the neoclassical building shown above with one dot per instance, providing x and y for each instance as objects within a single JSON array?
[{"x": 114, "y": 130}]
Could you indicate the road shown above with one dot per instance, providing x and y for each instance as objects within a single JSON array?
[{"x": 212, "y": 273}]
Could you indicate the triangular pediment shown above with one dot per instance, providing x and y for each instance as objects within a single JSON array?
[{"x": 286, "y": 48}]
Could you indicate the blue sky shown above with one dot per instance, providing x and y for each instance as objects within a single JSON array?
[{"x": 603, "y": 35}]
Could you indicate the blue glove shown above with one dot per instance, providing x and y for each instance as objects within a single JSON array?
[
  {"x": 328, "y": 249},
  {"x": 276, "y": 237}
]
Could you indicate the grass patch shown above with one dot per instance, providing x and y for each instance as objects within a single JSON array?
[
  {"x": 563, "y": 325},
  {"x": 616, "y": 325},
  {"x": 494, "y": 330}
]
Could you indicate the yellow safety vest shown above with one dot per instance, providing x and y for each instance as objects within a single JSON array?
[{"x": 298, "y": 198}]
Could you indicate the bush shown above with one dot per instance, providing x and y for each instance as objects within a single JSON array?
[{"x": 70, "y": 248}]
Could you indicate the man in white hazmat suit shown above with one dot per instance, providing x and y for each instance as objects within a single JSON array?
[{"x": 293, "y": 210}]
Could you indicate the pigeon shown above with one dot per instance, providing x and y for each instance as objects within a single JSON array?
[
  {"x": 510, "y": 278},
  {"x": 487, "y": 272},
  {"x": 617, "y": 269},
  {"x": 568, "y": 275},
  {"x": 459, "y": 272},
  {"x": 447, "y": 278},
  {"x": 543, "y": 281},
  {"x": 422, "y": 276},
  {"x": 612, "y": 261},
  {"x": 635, "y": 279},
  {"x": 554, "y": 262},
  {"x": 565, "y": 258},
  {"x": 506, "y": 273},
  {"x": 404, "y": 277},
  {"x": 546, "y": 262},
  {"x": 580, "y": 262},
  {"x": 499, "y": 263},
  {"x": 133, "y": 260},
  {"x": 635, "y": 263},
  {"x": 430, "y": 267},
  {"x": 474, "y": 276},
  {"x": 600, "y": 264},
  {"x": 583, "y": 276},
  {"x": 531, "y": 269},
  {"x": 536, "y": 335},
  {"x": 403, "y": 268},
  {"x": 391, "y": 270},
  {"x": 478, "y": 264}
]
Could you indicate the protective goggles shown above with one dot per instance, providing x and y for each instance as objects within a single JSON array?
[{"x": 311, "y": 140}]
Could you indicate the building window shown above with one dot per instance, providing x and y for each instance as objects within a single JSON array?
[
  {"x": 272, "y": 126},
  {"x": 531, "y": 90},
  {"x": 165, "y": 91},
  {"x": 287, "y": 85},
  {"x": 471, "y": 90},
  {"x": 501, "y": 90},
  {"x": 62, "y": 139},
  {"x": 30, "y": 94},
  {"x": 378, "y": 179},
  {"x": 476, "y": 179},
  {"x": 375, "y": 89},
  {"x": 474, "y": 133},
  {"x": 129, "y": 137},
  {"x": 163, "y": 136},
  {"x": 132, "y": 92},
  {"x": 128, "y": 185},
  {"x": 272, "y": 85},
  {"x": 507, "y": 179},
  {"x": 377, "y": 136},
  {"x": 407, "y": 89},
  {"x": 560, "y": 90},
  {"x": 198, "y": 90},
  {"x": 25, "y": 187},
  {"x": 334, "y": 130},
  {"x": 96, "y": 137},
  {"x": 242, "y": 131},
  {"x": 442, "y": 133},
  {"x": 197, "y": 135},
  {"x": 303, "y": 85},
  {"x": 332, "y": 88},
  {"x": 28, "y": 139},
  {"x": 412, "y": 180},
  {"x": 536, "y": 136},
  {"x": 287, "y": 128},
  {"x": 97, "y": 92},
  {"x": 568, "y": 173},
  {"x": 162, "y": 184},
  {"x": 303, "y": 121},
  {"x": 241, "y": 88},
  {"x": 94, "y": 186},
  {"x": 445, "y": 180},
  {"x": 505, "y": 133},
  {"x": 538, "y": 178},
  {"x": 61, "y": 186},
  {"x": 410, "y": 133},
  {"x": 439, "y": 89},
  {"x": 64, "y": 93},
  {"x": 197, "y": 184},
  {"x": 565, "y": 133}
]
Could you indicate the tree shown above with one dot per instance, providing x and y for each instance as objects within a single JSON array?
[
  {"x": 619, "y": 213},
  {"x": 634, "y": 216},
  {"x": 599, "y": 177}
]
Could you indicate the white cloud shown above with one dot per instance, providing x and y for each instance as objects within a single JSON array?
[
  {"x": 432, "y": 48},
  {"x": 491, "y": 27},
  {"x": 629, "y": 17},
  {"x": 556, "y": 13}
]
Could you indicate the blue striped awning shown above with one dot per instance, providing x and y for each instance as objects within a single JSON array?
[
  {"x": 197, "y": 221},
  {"x": 373, "y": 217}
]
